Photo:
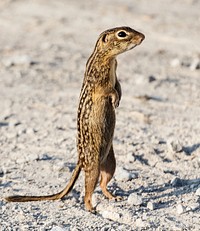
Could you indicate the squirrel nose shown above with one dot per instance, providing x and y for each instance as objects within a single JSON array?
[{"x": 140, "y": 37}]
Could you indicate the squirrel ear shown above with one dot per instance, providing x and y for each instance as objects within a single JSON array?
[{"x": 104, "y": 39}]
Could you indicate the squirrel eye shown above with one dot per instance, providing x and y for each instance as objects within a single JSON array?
[{"x": 122, "y": 34}]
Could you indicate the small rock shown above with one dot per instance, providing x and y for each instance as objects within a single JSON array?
[
  {"x": 14, "y": 122},
  {"x": 57, "y": 228},
  {"x": 135, "y": 199},
  {"x": 3, "y": 208},
  {"x": 20, "y": 216},
  {"x": 7, "y": 62},
  {"x": 193, "y": 186},
  {"x": 124, "y": 175},
  {"x": 130, "y": 157},
  {"x": 45, "y": 156},
  {"x": 127, "y": 216},
  {"x": 140, "y": 223},
  {"x": 30, "y": 131},
  {"x": 175, "y": 62},
  {"x": 176, "y": 182},
  {"x": 198, "y": 192},
  {"x": 21, "y": 131},
  {"x": 31, "y": 156},
  {"x": 21, "y": 160},
  {"x": 110, "y": 215},
  {"x": 73, "y": 229},
  {"x": 60, "y": 167},
  {"x": 195, "y": 65},
  {"x": 19, "y": 157},
  {"x": 140, "y": 79},
  {"x": 156, "y": 140},
  {"x": 11, "y": 134},
  {"x": 151, "y": 78},
  {"x": 186, "y": 62},
  {"x": 175, "y": 146},
  {"x": 106, "y": 228},
  {"x": 18, "y": 60},
  {"x": 1, "y": 172},
  {"x": 195, "y": 206},
  {"x": 187, "y": 209},
  {"x": 180, "y": 209},
  {"x": 151, "y": 205}
]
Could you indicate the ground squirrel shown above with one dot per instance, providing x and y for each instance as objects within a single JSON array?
[{"x": 100, "y": 95}]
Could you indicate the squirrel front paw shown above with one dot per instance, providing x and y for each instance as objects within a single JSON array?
[{"x": 114, "y": 98}]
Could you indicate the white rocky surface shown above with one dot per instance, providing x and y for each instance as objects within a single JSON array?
[
  {"x": 134, "y": 199},
  {"x": 44, "y": 46}
]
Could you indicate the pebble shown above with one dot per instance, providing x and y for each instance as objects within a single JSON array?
[
  {"x": 106, "y": 228},
  {"x": 175, "y": 62},
  {"x": 11, "y": 134},
  {"x": 151, "y": 205},
  {"x": 140, "y": 223},
  {"x": 156, "y": 140},
  {"x": 45, "y": 156},
  {"x": 127, "y": 216},
  {"x": 19, "y": 158},
  {"x": 191, "y": 63},
  {"x": 31, "y": 156},
  {"x": 198, "y": 192},
  {"x": 1, "y": 172},
  {"x": 110, "y": 215},
  {"x": 175, "y": 146},
  {"x": 30, "y": 131},
  {"x": 195, "y": 65},
  {"x": 195, "y": 206},
  {"x": 124, "y": 175},
  {"x": 14, "y": 122},
  {"x": 130, "y": 157},
  {"x": 18, "y": 60},
  {"x": 57, "y": 228},
  {"x": 141, "y": 79},
  {"x": 151, "y": 78},
  {"x": 73, "y": 229},
  {"x": 21, "y": 131},
  {"x": 134, "y": 199},
  {"x": 186, "y": 62},
  {"x": 176, "y": 182},
  {"x": 180, "y": 209},
  {"x": 193, "y": 186},
  {"x": 60, "y": 166}
]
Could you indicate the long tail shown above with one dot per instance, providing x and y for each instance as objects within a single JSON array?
[{"x": 56, "y": 196}]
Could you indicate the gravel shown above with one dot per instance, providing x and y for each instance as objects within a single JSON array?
[
  {"x": 134, "y": 199},
  {"x": 198, "y": 192},
  {"x": 151, "y": 205},
  {"x": 44, "y": 48},
  {"x": 180, "y": 209}
]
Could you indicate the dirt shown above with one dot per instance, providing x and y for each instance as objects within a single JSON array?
[{"x": 44, "y": 47}]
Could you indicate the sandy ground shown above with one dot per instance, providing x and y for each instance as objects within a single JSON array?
[{"x": 44, "y": 46}]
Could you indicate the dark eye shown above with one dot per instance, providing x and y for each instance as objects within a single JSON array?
[{"x": 122, "y": 34}]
